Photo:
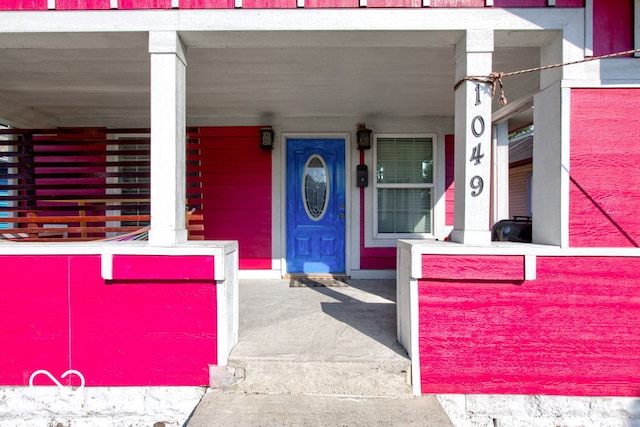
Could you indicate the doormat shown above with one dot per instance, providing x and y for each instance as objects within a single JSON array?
[{"x": 303, "y": 282}]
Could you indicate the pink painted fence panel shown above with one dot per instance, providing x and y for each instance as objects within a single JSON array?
[
  {"x": 572, "y": 331},
  {"x": 473, "y": 267},
  {"x": 34, "y": 316},
  {"x": 520, "y": 3},
  {"x": 144, "y": 333},
  {"x": 57, "y": 313},
  {"x": 604, "y": 197}
]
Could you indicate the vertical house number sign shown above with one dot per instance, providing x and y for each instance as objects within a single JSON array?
[{"x": 477, "y": 129}]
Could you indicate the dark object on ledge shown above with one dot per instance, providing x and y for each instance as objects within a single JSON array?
[{"x": 517, "y": 229}]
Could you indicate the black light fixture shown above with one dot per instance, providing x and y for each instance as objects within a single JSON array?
[
  {"x": 266, "y": 138},
  {"x": 364, "y": 137}
]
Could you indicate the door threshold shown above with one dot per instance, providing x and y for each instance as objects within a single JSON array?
[{"x": 336, "y": 276}]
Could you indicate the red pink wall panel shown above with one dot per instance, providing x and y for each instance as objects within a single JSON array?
[
  {"x": 236, "y": 188},
  {"x": 58, "y": 313},
  {"x": 331, "y": 3},
  {"x": 604, "y": 179},
  {"x": 572, "y": 331},
  {"x": 34, "y": 316}
]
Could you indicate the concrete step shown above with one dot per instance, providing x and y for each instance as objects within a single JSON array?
[
  {"x": 384, "y": 378},
  {"x": 237, "y": 409}
]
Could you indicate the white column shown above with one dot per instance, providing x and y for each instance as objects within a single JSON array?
[
  {"x": 500, "y": 172},
  {"x": 473, "y": 140},
  {"x": 168, "y": 138}
]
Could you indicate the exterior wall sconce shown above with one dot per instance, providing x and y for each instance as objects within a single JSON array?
[
  {"x": 266, "y": 138},
  {"x": 363, "y": 136}
]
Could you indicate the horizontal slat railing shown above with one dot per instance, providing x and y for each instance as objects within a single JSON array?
[{"x": 82, "y": 184}]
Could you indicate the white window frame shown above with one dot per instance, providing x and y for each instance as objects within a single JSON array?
[{"x": 372, "y": 237}]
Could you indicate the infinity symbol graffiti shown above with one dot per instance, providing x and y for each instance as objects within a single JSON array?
[{"x": 52, "y": 378}]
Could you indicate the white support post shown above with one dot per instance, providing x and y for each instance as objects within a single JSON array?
[
  {"x": 113, "y": 4},
  {"x": 500, "y": 172},
  {"x": 168, "y": 138},
  {"x": 473, "y": 139}
]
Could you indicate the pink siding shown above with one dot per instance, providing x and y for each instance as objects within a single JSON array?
[
  {"x": 60, "y": 314},
  {"x": 612, "y": 26},
  {"x": 34, "y": 318},
  {"x": 144, "y": 4},
  {"x": 473, "y": 267},
  {"x": 573, "y": 331},
  {"x": 207, "y": 4},
  {"x": 331, "y": 3},
  {"x": 162, "y": 267},
  {"x": 569, "y": 3},
  {"x": 82, "y": 4},
  {"x": 269, "y": 4},
  {"x": 457, "y": 3},
  {"x": 449, "y": 173},
  {"x": 604, "y": 198},
  {"x": 291, "y": 4},
  {"x": 236, "y": 180},
  {"x": 520, "y": 3},
  {"x": 394, "y": 3},
  {"x": 23, "y": 5}
]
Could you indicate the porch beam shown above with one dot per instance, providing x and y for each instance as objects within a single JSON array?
[
  {"x": 168, "y": 138},
  {"x": 473, "y": 53}
]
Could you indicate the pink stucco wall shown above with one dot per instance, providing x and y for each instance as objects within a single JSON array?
[{"x": 148, "y": 326}]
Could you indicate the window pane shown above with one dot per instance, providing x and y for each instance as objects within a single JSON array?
[
  {"x": 404, "y": 160},
  {"x": 404, "y": 210},
  {"x": 315, "y": 187}
]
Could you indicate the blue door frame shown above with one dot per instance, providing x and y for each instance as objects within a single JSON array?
[{"x": 315, "y": 236}]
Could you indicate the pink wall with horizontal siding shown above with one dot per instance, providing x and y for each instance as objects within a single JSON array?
[
  {"x": 236, "y": 189},
  {"x": 572, "y": 331},
  {"x": 59, "y": 314},
  {"x": 605, "y": 177}
]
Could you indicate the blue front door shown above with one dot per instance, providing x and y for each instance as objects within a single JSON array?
[{"x": 315, "y": 207}]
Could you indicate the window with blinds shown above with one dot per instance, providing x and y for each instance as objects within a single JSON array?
[{"x": 404, "y": 186}]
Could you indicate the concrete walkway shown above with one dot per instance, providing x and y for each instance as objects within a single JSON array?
[{"x": 318, "y": 356}]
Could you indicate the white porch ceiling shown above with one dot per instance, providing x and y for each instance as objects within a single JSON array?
[{"x": 102, "y": 79}]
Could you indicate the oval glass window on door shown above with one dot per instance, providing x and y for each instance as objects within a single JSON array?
[{"x": 315, "y": 187}]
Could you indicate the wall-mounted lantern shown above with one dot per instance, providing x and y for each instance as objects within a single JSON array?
[
  {"x": 363, "y": 136},
  {"x": 266, "y": 138}
]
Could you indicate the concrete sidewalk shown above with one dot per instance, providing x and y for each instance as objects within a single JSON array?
[{"x": 318, "y": 356}]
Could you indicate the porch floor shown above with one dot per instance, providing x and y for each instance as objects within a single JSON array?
[{"x": 318, "y": 356}]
